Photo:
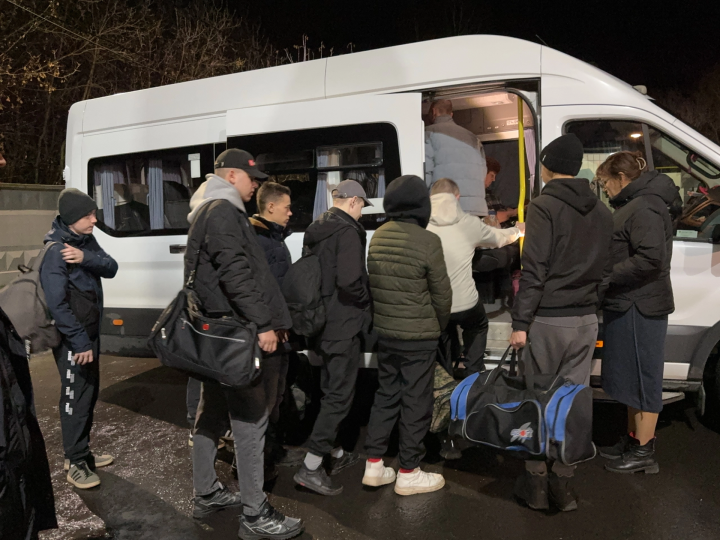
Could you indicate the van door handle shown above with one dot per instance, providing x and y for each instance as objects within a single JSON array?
[{"x": 178, "y": 248}]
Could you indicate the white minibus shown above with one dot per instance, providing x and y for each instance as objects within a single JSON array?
[{"x": 142, "y": 154}]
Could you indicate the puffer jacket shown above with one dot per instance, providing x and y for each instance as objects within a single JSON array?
[
  {"x": 642, "y": 243},
  {"x": 233, "y": 276},
  {"x": 272, "y": 239},
  {"x": 461, "y": 234},
  {"x": 339, "y": 242},
  {"x": 26, "y": 495},
  {"x": 74, "y": 292},
  {"x": 411, "y": 290},
  {"x": 451, "y": 151}
]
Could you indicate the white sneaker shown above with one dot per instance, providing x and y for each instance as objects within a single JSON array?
[
  {"x": 418, "y": 481},
  {"x": 377, "y": 474}
]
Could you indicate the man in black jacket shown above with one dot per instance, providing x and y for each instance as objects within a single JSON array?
[
  {"x": 71, "y": 275},
  {"x": 233, "y": 279},
  {"x": 27, "y": 504},
  {"x": 271, "y": 226},
  {"x": 567, "y": 245},
  {"x": 339, "y": 241}
]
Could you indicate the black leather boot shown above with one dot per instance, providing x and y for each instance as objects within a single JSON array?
[
  {"x": 532, "y": 489},
  {"x": 617, "y": 450},
  {"x": 636, "y": 459},
  {"x": 561, "y": 494}
]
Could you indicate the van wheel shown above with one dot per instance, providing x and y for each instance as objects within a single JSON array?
[{"x": 711, "y": 385}]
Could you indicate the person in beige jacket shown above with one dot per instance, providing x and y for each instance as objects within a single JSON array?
[{"x": 461, "y": 234}]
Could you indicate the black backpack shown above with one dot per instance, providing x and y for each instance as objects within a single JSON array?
[{"x": 302, "y": 289}]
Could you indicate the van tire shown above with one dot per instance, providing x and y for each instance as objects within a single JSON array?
[{"x": 711, "y": 385}]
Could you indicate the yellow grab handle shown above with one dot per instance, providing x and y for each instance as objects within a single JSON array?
[{"x": 521, "y": 157}]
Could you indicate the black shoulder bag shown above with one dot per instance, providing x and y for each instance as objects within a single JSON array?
[{"x": 224, "y": 350}]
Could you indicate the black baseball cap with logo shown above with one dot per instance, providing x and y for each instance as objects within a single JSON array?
[{"x": 232, "y": 158}]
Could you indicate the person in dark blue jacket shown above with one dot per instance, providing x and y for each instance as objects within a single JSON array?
[
  {"x": 70, "y": 277},
  {"x": 271, "y": 226}
]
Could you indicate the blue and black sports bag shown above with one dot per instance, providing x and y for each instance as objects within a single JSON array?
[{"x": 530, "y": 414}]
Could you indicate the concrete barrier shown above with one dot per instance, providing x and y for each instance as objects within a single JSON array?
[{"x": 26, "y": 214}]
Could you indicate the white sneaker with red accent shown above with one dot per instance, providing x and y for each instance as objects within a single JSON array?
[
  {"x": 418, "y": 481},
  {"x": 377, "y": 474}
]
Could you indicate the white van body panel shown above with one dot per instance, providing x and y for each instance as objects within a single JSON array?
[{"x": 442, "y": 62}]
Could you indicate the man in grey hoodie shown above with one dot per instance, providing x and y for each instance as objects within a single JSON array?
[{"x": 233, "y": 279}]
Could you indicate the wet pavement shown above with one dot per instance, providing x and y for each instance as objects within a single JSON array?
[{"x": 140, "y": 419}]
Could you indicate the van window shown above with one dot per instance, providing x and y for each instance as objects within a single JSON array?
[
  {"x": 148, "y": 193},
  {"x": 694, "y": 175},
  {"x": 600, "y": 138},
  {"x": 312, "y": 162}
]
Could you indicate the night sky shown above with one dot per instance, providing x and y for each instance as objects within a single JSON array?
[{"x": 660, "y": 44}]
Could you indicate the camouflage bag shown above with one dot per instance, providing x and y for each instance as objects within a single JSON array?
[{"x": 443, "y": 386}]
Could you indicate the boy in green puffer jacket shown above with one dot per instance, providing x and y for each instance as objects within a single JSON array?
[{"x": 412, "y": 298}]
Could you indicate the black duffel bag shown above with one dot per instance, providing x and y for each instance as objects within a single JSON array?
[
  {"x": 530, "y": 415},
  {"x": 224, "y": 350}
]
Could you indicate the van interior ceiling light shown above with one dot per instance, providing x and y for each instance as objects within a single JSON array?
[{"x": 636, "y": 135}]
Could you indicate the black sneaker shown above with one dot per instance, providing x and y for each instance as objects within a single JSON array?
[
  {"x": 317, "y": 481},
  {"x": 532, "y": 490},
  {"x": 617, "y": 450},
  {"x": 450, "y": 450},
  {"x": 269, "y": 524},
  {"x": 218, "y": 500},
  {"x": 561, "y": 494},
  {"x": 348, "y": 459}
]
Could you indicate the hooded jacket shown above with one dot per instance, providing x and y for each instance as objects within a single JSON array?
[
  {"x": 26, "y": 495},
  {"x": 74, "y": 292},
  {"x": 451, "y": 151},
  {"x": 233, "y": 276},
  {"x": 272, "y": 239},
  {"x": 411, "y": 290},
  {"x": 339, "y": 242},
  {"x": 566, "y": 247},
  {"x": 461, "y": 234},
  {"x": 642, "y": 247}
]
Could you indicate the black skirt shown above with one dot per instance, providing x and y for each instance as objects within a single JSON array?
[{"x": 634, "y": 358}]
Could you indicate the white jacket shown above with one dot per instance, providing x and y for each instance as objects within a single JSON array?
[{"x": 461, "y": 234}]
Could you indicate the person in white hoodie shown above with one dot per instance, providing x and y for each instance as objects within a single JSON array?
[{"x": 461, "y": 234}]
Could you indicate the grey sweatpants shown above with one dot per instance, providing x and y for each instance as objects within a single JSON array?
[
  {"x": 248, "y": 419},
  {"x": 562, "y": 346}
]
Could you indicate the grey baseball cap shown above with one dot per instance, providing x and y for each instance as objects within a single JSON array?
[{"x": 347, "y": 189}]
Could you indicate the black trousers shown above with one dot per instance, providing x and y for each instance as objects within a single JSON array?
[
  {"x": 341, "y": 361},
  {"x": 80, "y": 389},
  {"x": 405, "y": 392},
  {"x": 474, "y": 324}
]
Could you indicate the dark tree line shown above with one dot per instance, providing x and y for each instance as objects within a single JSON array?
[{"x": 55, "y": 53}]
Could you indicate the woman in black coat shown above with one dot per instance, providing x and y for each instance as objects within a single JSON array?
[{"x": 638, "y": 300}]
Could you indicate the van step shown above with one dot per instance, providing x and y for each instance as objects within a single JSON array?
[{"x": 667, "y": 397}]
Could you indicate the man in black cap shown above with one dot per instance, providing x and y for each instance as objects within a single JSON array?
[
  {"x": 70, "y": 277},
  {"x": 233, "y": 279},
  {"x": 339, "y": 241},
  {"x": 569, "y": 232}
]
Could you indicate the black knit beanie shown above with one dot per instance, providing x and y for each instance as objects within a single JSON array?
[
  {"x": 73, "y": 205},
  {"x": 407, "y": 199},
  {"x": 564, "y": 155}
]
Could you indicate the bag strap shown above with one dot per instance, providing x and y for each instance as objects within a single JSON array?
[
  {"x": 195, "y": 254},
  {"x": 37, "y": 263}
]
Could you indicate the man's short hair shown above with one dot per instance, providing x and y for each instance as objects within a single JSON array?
[
  {"x": 442, "y": 106},
  {"x": 493, "y": 165},
  {"x": 445, "y": 185},
  {"x": 270, "y": 192}
]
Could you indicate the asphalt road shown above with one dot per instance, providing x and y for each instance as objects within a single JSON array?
[{"x": 140, "y": 419}]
